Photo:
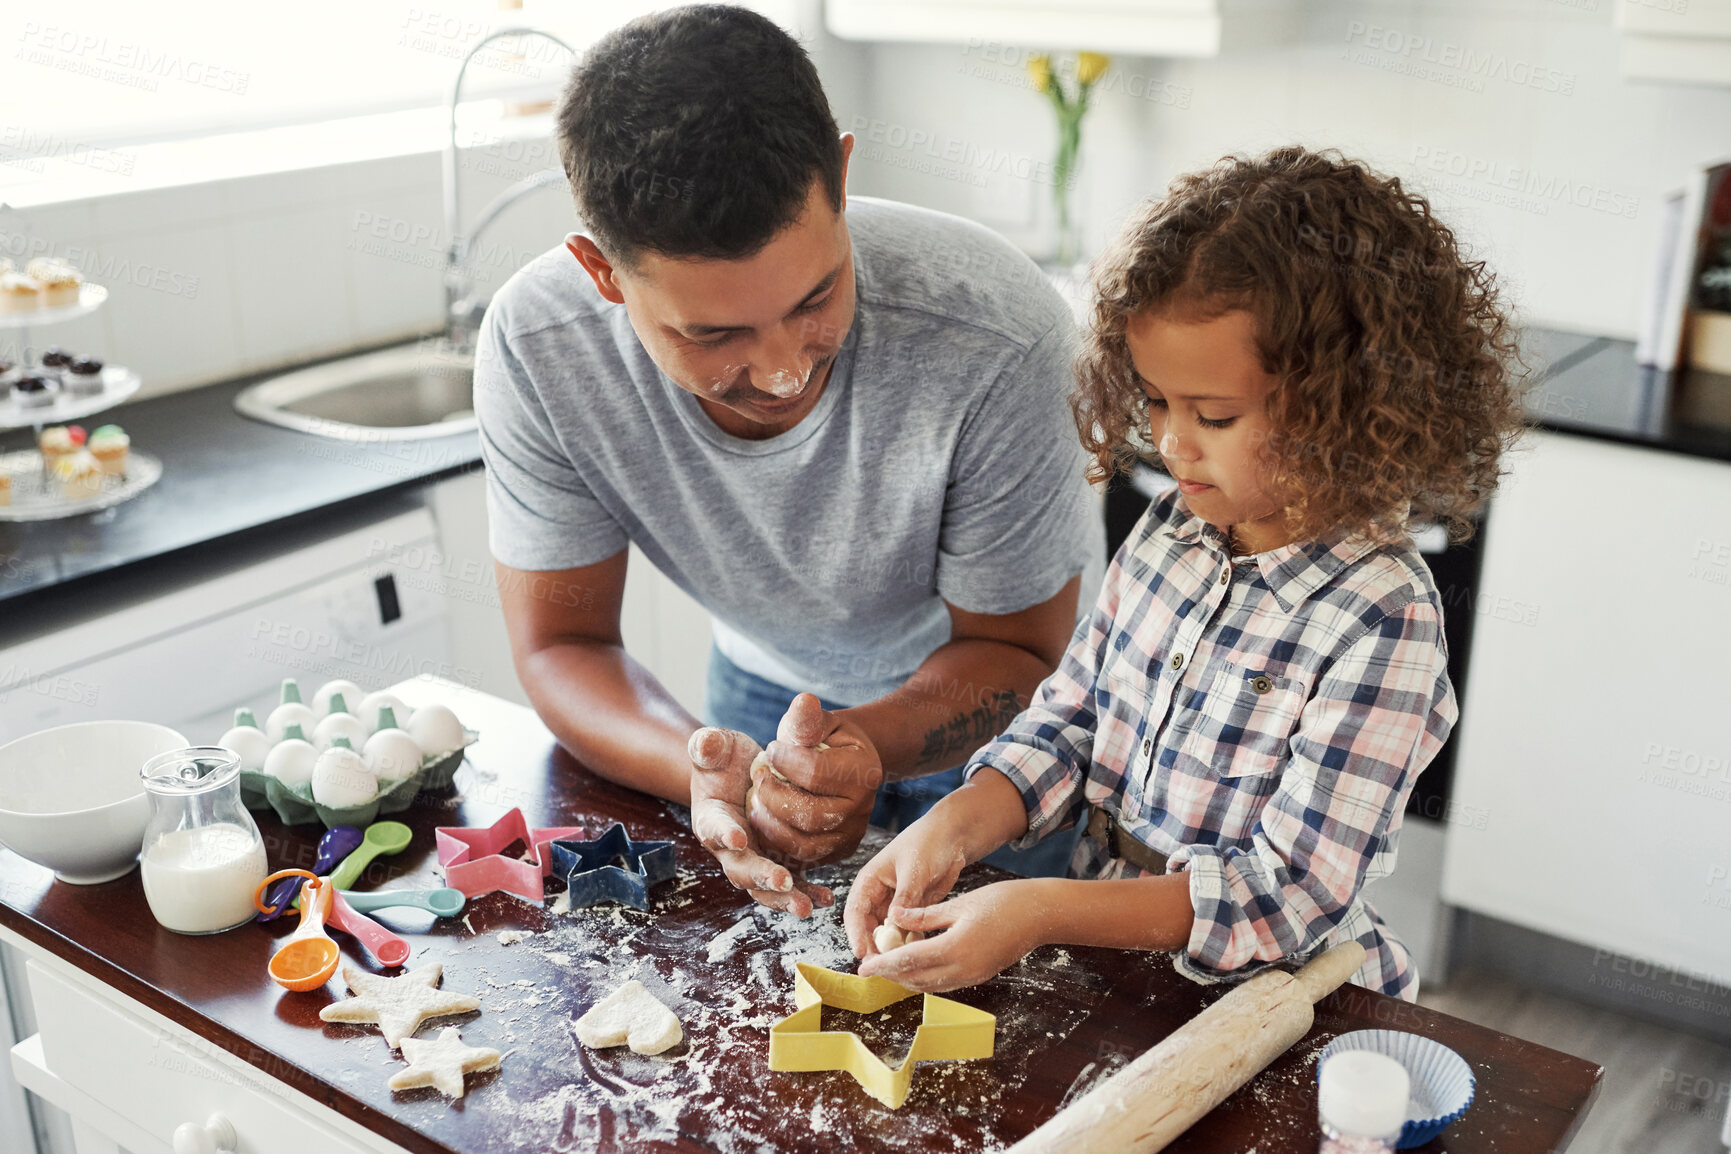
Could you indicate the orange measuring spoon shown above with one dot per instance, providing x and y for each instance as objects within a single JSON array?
[{"x": 307, "y": 958}]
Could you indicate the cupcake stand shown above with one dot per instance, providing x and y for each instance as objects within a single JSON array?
[{"x": 35, "y": 495}]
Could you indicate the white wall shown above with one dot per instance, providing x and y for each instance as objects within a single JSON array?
[
  {"x": 1338, "y": 83},
  {"x": 209, "y": 281}
]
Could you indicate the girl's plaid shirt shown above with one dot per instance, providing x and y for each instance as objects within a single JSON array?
[{"x": 1259, "y": 721}]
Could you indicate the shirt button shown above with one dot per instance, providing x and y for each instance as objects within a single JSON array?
[
  {"x": 1225, "y": 573},
  {"x": 1261, "y": 683},
  {"x": 1147, "y": 745},
  {"x": 1178, "y": 661}
]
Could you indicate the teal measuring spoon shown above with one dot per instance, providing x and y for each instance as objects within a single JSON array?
[{"x": 445, "y": 903}]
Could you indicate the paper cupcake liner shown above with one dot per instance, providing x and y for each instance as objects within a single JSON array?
[
  {"x": 1442, "y": 1082},
  {"x": 295, "y": 805}
]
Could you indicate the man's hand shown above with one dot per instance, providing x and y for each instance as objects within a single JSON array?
[
  {"x": 814, "y": 803},
  {"x": 720, "y": 779}
]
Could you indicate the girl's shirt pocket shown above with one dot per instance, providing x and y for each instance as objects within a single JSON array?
[
  {"x": 1221, "y": 758},
  {"x": 1240, "y": 721}
]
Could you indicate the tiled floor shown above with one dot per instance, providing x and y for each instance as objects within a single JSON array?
[{"x": 1664, "y": 1092}]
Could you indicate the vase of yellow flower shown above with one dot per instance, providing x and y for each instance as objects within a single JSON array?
[{"x": 1070, "y": 106}]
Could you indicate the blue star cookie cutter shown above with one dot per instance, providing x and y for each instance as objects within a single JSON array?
[{"x": 590, "y": 875}]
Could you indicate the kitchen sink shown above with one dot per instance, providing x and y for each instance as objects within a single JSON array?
[{"x": 407, "y": 393}]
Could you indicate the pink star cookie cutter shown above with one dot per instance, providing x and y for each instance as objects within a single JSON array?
[{"x": 471, "y": 858}]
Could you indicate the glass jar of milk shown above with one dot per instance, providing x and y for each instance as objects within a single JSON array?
[{"x": 203, "y": 857}]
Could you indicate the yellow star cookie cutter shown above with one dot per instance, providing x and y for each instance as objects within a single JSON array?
[{"x": 949, "y": 1032}]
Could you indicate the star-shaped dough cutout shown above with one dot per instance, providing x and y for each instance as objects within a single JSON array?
[
  {"x": 398, "y": 1005},
  {"x": 442, "y": 1062}
]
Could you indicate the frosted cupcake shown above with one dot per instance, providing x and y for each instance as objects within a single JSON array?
[
  {"x": 110, "y": 446},
  {"x": 19, "y": 293},
  {"x": 79, "y": 475},
  {"x": 57, "y": 442},
  {"x": 82, "y": 376},
  {"x": 60, "y": 281},
  {"x": 33, "y": 391},
  {"x": 54, "y": 364}
]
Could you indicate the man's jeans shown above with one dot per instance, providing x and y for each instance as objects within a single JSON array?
[{"x": 754, "y": 706}]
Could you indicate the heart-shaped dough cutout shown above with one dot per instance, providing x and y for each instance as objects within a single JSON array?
[{"x": 632, "y": 1016}]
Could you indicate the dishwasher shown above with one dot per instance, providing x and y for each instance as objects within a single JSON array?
[{"x": 191, "y": 639}]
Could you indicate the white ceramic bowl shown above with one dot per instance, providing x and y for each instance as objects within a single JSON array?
[{"x": 71, "y": 798}]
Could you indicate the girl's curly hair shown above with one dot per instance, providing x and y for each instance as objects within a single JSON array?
[{"x": 1398, "y": 378}]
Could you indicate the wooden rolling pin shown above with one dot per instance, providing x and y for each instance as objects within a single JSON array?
[{"x": 1160, "y": 1095}]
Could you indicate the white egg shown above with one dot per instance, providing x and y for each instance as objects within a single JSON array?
[
  {"x": 392, "y": 755},
  {"x": 291, "y": 761},
  {"x": 436, "y": 730},
  {"x": 250, "y": 742},
  {"x": 341, "y": 779},
  {"x": 287, "y": 714},
  {"x": 371, "y": 703},
  {"x": 340, "y": 725},
  {"x": 351, "y": 695}
]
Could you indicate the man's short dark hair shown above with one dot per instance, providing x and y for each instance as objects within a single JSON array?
[{"x": 696, "y": 133}]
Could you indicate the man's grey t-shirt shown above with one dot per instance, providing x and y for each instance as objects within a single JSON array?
[{"x": 940, "y": 463}]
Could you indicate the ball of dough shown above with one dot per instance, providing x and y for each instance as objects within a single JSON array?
[
  {"x": 761, "y": 764},
  {"x": 392, "y": 755},
  {"x": 341, "y": 779},
  {"x": 291, "y": 761},
  {"x": 351, "y": 694},
  {"x": 887, "y": 937},
  {"x": 287, "y": 714},
  {"x": 369, "y": 709},
  {"x": 436, "y": 730},
  {"x": 252, "y": 743},
  {"x": 340, "y": 725}
]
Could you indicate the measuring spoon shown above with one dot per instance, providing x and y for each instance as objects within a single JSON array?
[
  {"x": 390, "y": 949},
  {"x": 307, "y": 958},
  {"x": 382, "y": 837},
  {"x": 445, "y": 903},
  {"x": 337, "y": 843}
]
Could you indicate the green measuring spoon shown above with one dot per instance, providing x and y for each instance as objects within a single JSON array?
[
  {"x": 382, "y": 837},
  {"x": 446, "y": 903}
]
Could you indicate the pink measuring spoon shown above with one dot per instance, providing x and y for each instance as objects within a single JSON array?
[{"x": 382, "y": 943}]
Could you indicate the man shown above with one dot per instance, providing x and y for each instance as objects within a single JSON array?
[{"x": 840, "y": 427}]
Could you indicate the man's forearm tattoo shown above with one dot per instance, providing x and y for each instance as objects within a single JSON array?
[{"x": 966, "y": 732}]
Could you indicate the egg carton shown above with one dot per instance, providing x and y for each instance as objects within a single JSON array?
[{"x": 295, "y": 804}]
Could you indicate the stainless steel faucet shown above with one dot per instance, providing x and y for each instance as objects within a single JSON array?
[{"x": 462, "y": 310}]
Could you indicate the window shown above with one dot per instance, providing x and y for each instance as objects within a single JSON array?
[{"x": 104, "y": 74}]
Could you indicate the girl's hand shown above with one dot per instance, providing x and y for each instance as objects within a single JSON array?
[
  {"x": 983, "y": 933},
  {"x": 916, "y": 869}
]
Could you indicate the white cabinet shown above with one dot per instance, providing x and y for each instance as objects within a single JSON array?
[
  {"x": 1676, "y": 41},
  {"x": 664, "y": 628},
  {"x": 1133, "y": 27},
  {"x": 129, "y": 1077},
  {"x": 1594, "y": 743},
  {"x": 187, "y": 655}
]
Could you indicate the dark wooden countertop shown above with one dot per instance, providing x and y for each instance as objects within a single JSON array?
[{"x": 1066, "y": 1017}]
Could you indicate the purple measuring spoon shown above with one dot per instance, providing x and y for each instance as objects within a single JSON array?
[{"x": 338, "y": 843}]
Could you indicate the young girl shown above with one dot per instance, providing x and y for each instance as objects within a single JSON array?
[{"x": 1240, "y": 721}]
